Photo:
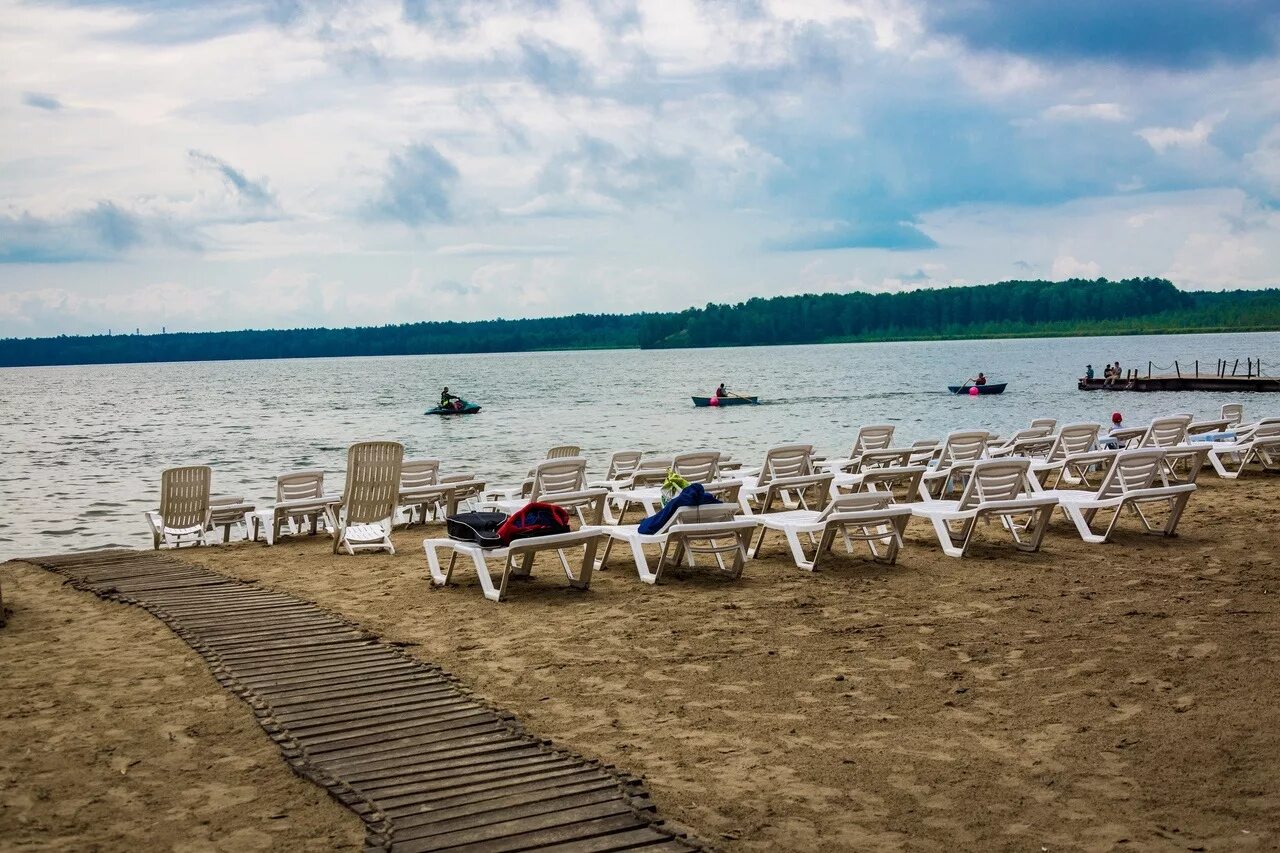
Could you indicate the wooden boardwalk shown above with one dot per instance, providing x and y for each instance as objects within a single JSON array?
[{"x": 424, "y": 764}]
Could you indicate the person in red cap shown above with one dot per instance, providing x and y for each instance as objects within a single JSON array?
[{"x": 1117, "y": 422}]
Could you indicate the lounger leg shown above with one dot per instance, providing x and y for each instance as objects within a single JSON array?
[
  {"x": 438, "y": 578},
  {"x": 642, "y": 564},
  {"x": 1083, "y": 524},
  {"x": 943, "y": 531},
  {"x": 797, "y": 551},
  {"x": 583, "y": 580},
  {"x": 755, "y": 551}
]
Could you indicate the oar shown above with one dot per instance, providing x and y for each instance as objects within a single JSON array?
[{"x": 748, "y": 399}]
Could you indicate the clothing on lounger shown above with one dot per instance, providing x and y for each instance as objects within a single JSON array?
[{"x": 691, "y": 495}]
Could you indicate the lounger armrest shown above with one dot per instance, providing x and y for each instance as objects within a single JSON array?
[
  {"x": 713, "y": 527},
  {"x": 1090, "y": 457},
  {"x": 1018, "y": 504},
  {"x": 316, "y": 503},
  {"x": 575, "y": 497}
]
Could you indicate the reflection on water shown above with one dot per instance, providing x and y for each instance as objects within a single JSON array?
[{"x": 84, "y": 446}]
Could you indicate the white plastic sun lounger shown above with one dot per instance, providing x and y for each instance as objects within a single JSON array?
[
  {"x": 301, "y": 503},
  {"x": 961, "y": 446},
  {"x": 228, "y": 511},
  {"x": 872, "y": 518},
  {"x": 1128, "y": 484},
  {"x": 1071, "y": 440},
  {"x": 699, "y": 466},
  {"x": 184, "y": 507},
  {"x": 622, "y": 468},
  {"x": 517, "y": 559},
  {"x": 423, "y": 490},
  {"x": 996, "y": 488},
  {"x": 1233, "y": 413},
  {"x": 1166, "y": 432},
  {"x": 1230, "y": 458},
  {"x": 363, "y": 518},
  {"x": 560, "y": 481},
  {"x": 875, "y": 437},
  {"x": 786, "y": 477},
  {"x": 707, "y": 530}
]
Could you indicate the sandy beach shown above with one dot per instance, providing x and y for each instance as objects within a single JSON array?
[{"x": 1085, "y": 697}]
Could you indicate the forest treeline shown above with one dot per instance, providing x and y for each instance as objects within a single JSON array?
[{"x": 1007, "y": 309}]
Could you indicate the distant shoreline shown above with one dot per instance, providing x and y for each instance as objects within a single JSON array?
[
  {"x": 1004, "y": 311},
  {"x": 634, "y": 348}
]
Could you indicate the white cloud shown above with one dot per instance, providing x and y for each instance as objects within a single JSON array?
[
  {"x": 1161, "y": 139},
  {"x": 1066, "y": 266},
  {"x": 1085, "y": 112}
]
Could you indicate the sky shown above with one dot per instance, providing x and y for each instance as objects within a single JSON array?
[{"x": 224, "y": 164}]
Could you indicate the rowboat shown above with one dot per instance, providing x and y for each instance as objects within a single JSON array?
[
  {"x": 467, "y": 409},
  {"x": 725, "y": 401},
  {"x": 989, "y": 388}
]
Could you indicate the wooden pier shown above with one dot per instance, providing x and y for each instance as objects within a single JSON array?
[
  {"x": 1189, "y": 377},
  {"x": 1184, "y": 383}
]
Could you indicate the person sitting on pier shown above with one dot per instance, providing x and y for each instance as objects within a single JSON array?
[
  {"x": 1107, "y": 375},
  {"x": 1088, "y": 373}
]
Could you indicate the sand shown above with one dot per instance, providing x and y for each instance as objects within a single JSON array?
[
  {"x": 1086, "y": 697},
  {"x": 114, "y": 736}
]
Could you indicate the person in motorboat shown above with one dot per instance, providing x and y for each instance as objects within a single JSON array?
[{"x": 1088, "y": 373}]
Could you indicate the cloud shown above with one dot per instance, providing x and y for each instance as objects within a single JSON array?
[
  {"x": 1161, "y": 139},
  {"x": 254, "y": 193},
  {"x": 1066, "y": 266},
  {"x": 551, "y": 67},
  {"x": 418, "y": 187},
  {"x": 99, "y": 233},
  {"x": 895, "y": 236},
  {"x": 1085, "y": 112},
  {"x": 595, "y": 176},
  {"x": 41, "y": 101},
  {"x": 467, "y": 250},
  {"x": 1168, "y": 34}
]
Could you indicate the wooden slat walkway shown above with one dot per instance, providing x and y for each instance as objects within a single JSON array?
[{"x": 426, "y": 765}]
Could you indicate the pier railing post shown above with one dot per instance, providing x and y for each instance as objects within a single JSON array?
[
  {"x": 1176, "y": 369},
  {"x": 1197, "y": 368},
  {"x": 1234, "y": 366},
  {"x": 1148, "y": 370}
]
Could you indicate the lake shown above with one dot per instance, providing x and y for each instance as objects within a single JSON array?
[{"x": 84, "y": 446}]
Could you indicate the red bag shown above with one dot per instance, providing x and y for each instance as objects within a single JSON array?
[{"x": 534, "y": 519}]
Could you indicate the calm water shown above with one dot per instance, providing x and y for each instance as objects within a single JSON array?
[{"x": 84, "y": 446}]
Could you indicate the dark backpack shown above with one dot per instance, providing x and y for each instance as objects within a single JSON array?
[
  {"x": 534, "y": 519},
  {"x": 478, "y": 527}
]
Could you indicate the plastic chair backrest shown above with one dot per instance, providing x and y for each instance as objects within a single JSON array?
[{"x": 184, "y": 496}]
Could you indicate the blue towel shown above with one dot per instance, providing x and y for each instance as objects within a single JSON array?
[{"x": 692, "y": 495}]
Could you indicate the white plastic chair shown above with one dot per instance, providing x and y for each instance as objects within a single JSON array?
[
  {"x": 184, "y": 507},
  {"x": 1233, "y": 413},
  {"x": 363, "y": 518}
]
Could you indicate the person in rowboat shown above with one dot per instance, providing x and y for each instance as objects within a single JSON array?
[
  {"x": 980, "y": 379},
  {"x": 722, "y": 391}
]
